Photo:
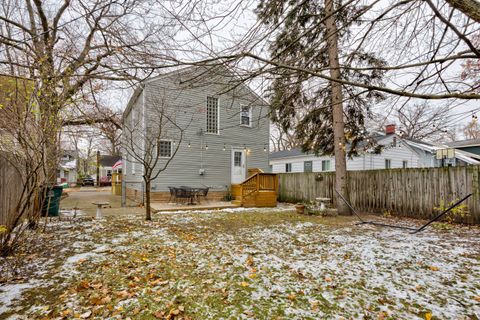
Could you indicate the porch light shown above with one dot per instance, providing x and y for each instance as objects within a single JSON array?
[
  {"x": 206, "y": 146},
  {"x": 189, "y": 144},
  {"x": 264, "y": 148},
  {"x": 224, "y": 147}
]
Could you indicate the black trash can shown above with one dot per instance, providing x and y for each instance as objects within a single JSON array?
[{"x": 51, "y": 204}]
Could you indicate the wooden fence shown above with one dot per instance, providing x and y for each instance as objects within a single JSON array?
[
  {"x": 405, "y": 192},
  {"x": 10, "y": 188}
]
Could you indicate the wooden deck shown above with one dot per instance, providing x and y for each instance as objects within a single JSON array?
[
  {"x": 208, "y": 205},
  {"x": 258, "y": 190}
]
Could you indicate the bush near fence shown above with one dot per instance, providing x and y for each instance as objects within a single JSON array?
[{"x": 411, "y": 192}]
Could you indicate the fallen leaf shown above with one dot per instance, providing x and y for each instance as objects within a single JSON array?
[
  {"x": 86, "y": 315},
  {"x": 159, "y": 314},
  {"x": 428, "y": 316},
  {"x": 123, "y": 294},
  {"x": 433, "y": 268},
  {"x": 476, "y": 298},
  {"x": 292, "y": 297},
  {"x": 244, "y": 284}
]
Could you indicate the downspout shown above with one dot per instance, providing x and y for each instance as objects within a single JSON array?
[{"x": 144, "y": 137}]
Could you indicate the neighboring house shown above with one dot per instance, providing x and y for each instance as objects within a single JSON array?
[
  {"x": 471, "y": 145},
  {"x": 67, "y": 168},
  {"x": 396, "y": 153},
  {"x": 227, "y": 131},
  {"x": 107, "y": 163}
]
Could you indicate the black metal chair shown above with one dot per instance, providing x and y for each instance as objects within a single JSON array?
[
  {"x": 203, "y": 192},
  {"x": 184, "y": 193},
  {"x": 172, "y": 194}
]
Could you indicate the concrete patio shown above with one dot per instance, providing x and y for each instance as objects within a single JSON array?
[{"x": 204, "y": 205}]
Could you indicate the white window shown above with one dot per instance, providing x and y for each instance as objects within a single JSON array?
[
  {"x": 132, "y": 161},
  {"x": 288, "y": 167},
  {"x": 388, "y": 163},
  {"x": 165, "y": 149},
  {"x": 404, "y": 164},
  {"x": 237, "y": 159},
  {"x": 307, "y": 166},
  {"x": 246, "y": 116},
  {"x": 133, "y": 118},
  {"x": 212, "y": 115},
  {"x": 325, "y": 165}
]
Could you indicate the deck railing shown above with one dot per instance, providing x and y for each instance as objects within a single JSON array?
[{"x": 260, "y": 181}]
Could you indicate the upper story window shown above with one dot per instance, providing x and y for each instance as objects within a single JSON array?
[
  {"x": 133, "y": 118},
  {"x": 246, "y": 116},
  {"x": 132, "y": 161},
  {"x": 212, "y": 115},
  {"x": 404, "y": 164},
  {"x": 165, "y": 149}
]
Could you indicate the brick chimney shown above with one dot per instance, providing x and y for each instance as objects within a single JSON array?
[{"x": 390, "y": 129}]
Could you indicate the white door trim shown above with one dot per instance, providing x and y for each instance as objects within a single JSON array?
[{"x": 238, "y": 173}]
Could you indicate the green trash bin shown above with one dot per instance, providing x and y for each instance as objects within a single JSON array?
[{"x": 51, "y": 204}]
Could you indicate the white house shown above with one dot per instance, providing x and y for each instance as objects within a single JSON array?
[
  {"x": 396, "y": 153},
  {"x": 67, "y": 168}
]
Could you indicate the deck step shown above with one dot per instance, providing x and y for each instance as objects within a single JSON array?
[{"x": 237, "y": 202}]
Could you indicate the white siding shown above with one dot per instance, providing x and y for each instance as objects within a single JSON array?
[{"x": 365, "y": 161}]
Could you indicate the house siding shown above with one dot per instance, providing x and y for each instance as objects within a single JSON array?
[
  {"x": 365, "y": 161},
  {"x": 187, "y": 102}
]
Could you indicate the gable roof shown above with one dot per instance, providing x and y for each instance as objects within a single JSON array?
[
  {"x": 109, "y": 161},
  {"x": 186, "y": 70}
]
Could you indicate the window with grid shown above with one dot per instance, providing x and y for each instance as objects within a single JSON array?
[
  {"x": 246, "y": 116},
  {"x": 325, "y": 165},
  {"x": 237, "y": 159},
  {"x": 165, "y": 149},
  {"x": 212, "y": 115}
]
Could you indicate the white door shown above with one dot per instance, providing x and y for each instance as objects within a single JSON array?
[{"x": 238, "y": 166}]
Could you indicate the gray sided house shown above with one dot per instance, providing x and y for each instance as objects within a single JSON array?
[{"x": 226, "y": 131}]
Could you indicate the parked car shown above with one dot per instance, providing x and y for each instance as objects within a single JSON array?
[{"x": 88, "y": 181}]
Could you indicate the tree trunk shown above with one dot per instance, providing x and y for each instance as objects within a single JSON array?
[
  {"x": 470, "y": 8},
  {"x": 148, "y": 209},
  {"x": 337, "y": 109}
]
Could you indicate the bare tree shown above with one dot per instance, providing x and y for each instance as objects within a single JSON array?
[
  {"x": 153, "y": 143},
  {"x": 472, "y": 130},
  {"x": 67, "y": 46},
  {"x": 21, "y": 148},
  {"x": 423, "y": 121}
]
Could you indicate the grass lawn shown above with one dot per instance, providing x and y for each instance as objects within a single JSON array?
[{"x": 242, "y": 264}]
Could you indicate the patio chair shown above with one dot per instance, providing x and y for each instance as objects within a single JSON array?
[
  {"x": 184, "y": 193},
  {"x": 203, "y": 192},
  {"x": 172, "y": 194}
]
